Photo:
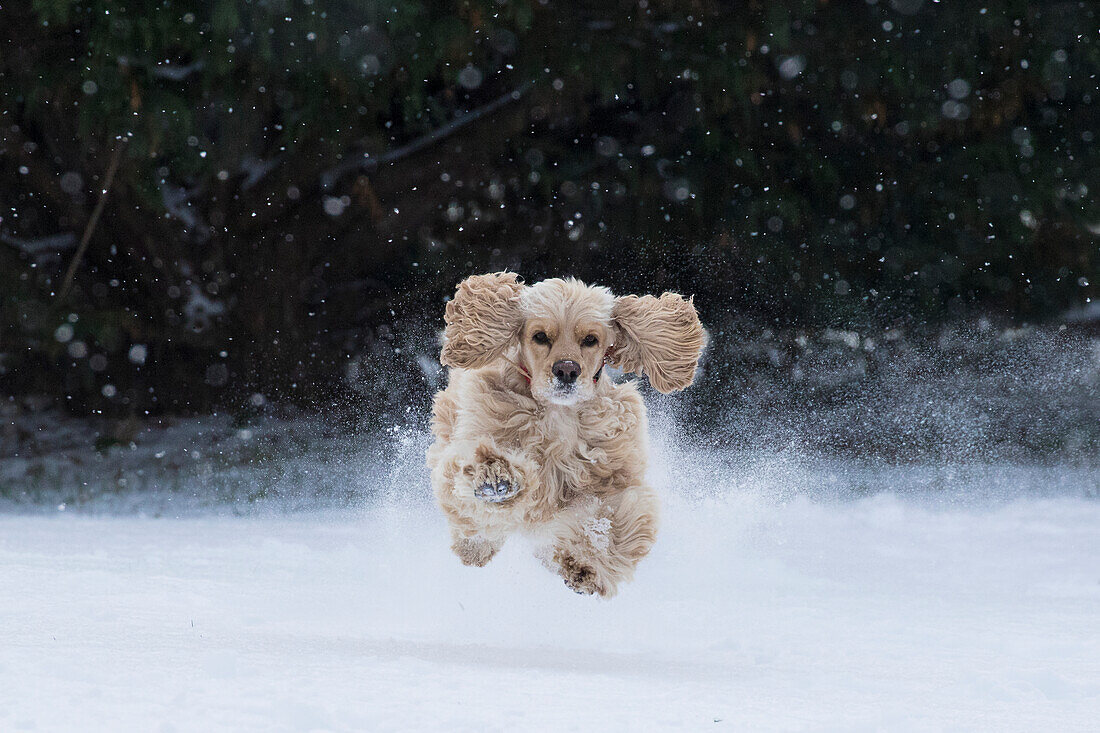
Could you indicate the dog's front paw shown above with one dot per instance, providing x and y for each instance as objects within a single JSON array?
[
  {"x": 494, "y": 479},
  {"x": 496, "y": 493},
  {"x": 580, "y": 577}
]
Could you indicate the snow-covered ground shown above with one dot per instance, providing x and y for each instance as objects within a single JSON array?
[{"x": 761, "y": 608}]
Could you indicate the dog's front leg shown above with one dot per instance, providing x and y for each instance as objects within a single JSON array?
[
  {"x": 478, "y": 473},
  {"x": 492, "y": 475},
  {"x": 475, "y": 551},
  {"x": 482, "y": 489}
]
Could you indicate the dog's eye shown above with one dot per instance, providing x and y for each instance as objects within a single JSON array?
[
  {"x": 541, "y": 338},
  {"x": 590, "y": 340}
]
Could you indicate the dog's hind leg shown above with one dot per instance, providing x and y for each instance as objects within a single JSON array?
[{"x": 599, "y": 540}]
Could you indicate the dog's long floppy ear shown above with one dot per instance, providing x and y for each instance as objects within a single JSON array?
[
  {"x": 482, "y": 319},
  {"x": 659, "y": 337}
]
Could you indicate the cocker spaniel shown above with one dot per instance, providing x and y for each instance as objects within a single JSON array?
[{"x": 530, "y": 436}]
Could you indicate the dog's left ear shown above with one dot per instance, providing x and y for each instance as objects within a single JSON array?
[
  {"x": 659, "y": 337},
  {"x": 483, "y": 319}
]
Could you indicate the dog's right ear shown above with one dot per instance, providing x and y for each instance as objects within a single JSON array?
[{"x": 482, "y": 319}]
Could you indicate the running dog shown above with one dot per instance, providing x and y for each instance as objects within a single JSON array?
[{"x": 532, "y": 437}]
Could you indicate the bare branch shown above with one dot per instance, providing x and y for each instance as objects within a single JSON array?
[
  {"x": 92, "y": 220},
  {"x": 367, "y": 163}
]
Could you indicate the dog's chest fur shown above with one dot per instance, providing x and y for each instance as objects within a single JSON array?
[{"x": 596, "y": 447}]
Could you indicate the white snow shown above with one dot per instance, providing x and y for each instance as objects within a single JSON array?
[
  {"x": 753, "y": 613},
  {"x": 597, "y": 532}
]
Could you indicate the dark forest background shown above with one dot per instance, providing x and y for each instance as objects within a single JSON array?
[{"x": 224, "y": 203}]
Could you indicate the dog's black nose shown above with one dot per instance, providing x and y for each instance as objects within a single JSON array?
[{"x": 566, "y": 371}]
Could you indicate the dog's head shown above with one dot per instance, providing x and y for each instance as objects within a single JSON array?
[{"x": 562, "y": 331}]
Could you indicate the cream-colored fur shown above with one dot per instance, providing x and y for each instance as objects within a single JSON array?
[{"x": 575, "y": 459}]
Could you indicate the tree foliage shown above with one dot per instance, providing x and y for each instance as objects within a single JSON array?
[{"x": 304, "y": 181}]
